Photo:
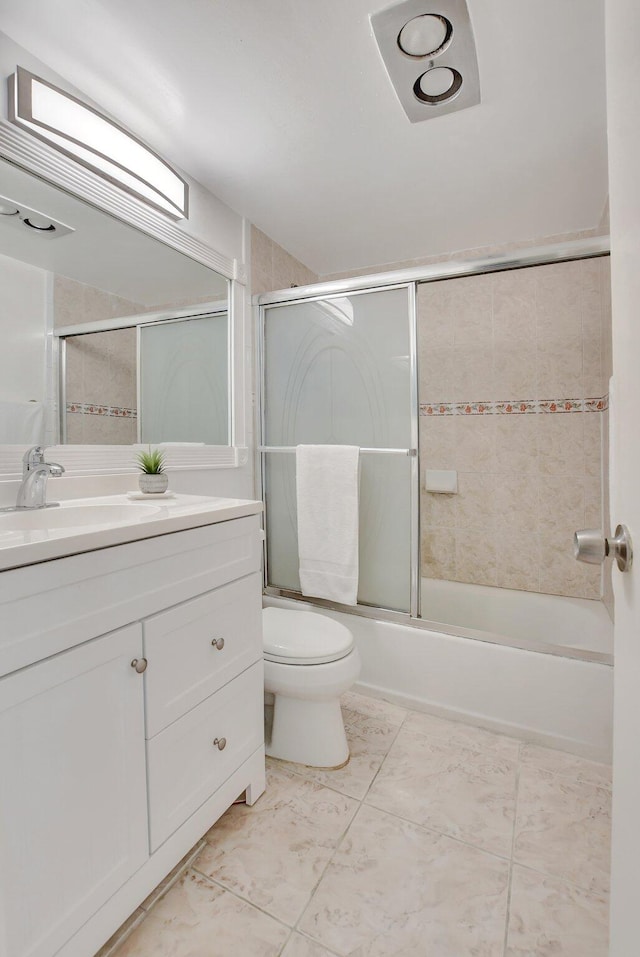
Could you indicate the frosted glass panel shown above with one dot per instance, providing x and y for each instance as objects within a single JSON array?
[
  {"x": 337, "y": 372},
  {"x": 385, "y": 482},
  {"x": 184, "y": 381}
]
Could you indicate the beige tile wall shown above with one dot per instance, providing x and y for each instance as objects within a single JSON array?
[
  {"x": 272, "y": 267},
  {"x": 101, "y": 370},
  {"x": 75, "y": 302},
  {"x": 526, "y": 481}
]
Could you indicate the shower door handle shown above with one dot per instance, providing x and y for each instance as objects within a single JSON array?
[{"x": 591, "y": 546}]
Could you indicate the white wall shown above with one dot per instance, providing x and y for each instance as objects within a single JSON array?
[
  {"x": 623, "y": 102},
  {"x": 22, "y": 331}
]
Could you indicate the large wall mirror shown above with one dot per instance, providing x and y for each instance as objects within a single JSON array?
[{"x": 108, "y": 336}]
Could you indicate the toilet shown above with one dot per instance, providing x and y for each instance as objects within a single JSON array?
[{"x": 309, "y": 662}]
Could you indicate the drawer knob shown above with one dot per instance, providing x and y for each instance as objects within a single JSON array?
[
  {"x": 220, "y": 743},
  {"x": 140, "y": 665},
  {"x": 218, "y": 643}
]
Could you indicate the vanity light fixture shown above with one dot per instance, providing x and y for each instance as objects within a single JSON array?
[
  {"x": 429, "y": 53},
  {"x": 92, "y": 139}
]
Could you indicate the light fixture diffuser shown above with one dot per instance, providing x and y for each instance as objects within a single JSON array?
[
  {"x": 425, "y": 35},
  {"x": 428, "y": 50},
  {"x": 95, "y": 141}
]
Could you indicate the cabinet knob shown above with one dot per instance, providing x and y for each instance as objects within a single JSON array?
[
  {"x": 218, "y": 643},
  {"x": 140, "y": 665},
  {"x": 220, "y": 743}
]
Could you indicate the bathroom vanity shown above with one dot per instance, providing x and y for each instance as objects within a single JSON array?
[{"x": 131, "y": 706}]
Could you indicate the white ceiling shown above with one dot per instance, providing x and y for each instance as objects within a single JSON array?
[{"x": 283, "y": 109}]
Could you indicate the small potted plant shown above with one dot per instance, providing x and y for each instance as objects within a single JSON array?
[{"x": 153, "y": 480}]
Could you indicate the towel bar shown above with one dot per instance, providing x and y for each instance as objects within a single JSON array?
[{"x": 292, "y": 448}]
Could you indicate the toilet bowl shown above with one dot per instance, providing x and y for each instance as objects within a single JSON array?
[{"x": 309, "y": 662}]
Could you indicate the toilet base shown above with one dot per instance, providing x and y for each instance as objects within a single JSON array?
[{"x": 308, "y": 732}]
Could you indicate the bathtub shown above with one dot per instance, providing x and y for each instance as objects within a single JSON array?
[
  {"x": 551, "y": 699},
  {"x": 527, "y": 619}
]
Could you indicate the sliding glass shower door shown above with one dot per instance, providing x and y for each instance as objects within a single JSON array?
[{"x": 340, "y": 371}]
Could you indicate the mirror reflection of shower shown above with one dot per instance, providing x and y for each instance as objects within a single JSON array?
[{"x": 156, "y": 382}]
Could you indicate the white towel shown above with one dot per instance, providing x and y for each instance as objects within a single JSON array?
[{"x": 327, "y": 498}]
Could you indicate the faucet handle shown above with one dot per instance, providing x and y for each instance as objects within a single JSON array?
[{"x": 33, "y": 456}]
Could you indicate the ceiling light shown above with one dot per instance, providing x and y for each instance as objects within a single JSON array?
[
  {"x": 425, "y": 35},
  {"x": 429, "y": 53},
  {"x": 437, "y": 85},
  {"x": 18, "y": 215},
  {"x": 95, "y": 141},
  {"x": 39, "y": 222}
]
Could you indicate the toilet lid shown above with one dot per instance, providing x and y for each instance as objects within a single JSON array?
[{"x": 303, "y": 637}]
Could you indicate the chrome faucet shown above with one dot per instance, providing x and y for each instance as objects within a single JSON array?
[{"x": 35, "y": 472}]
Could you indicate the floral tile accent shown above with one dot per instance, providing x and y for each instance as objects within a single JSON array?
[
  {"x": 515, "y": 406},
  {"x": 596, "y": 405},
  {"x": 562, "y": 405},
  {"x": 473, "y": 408},
  {"x": 437, "y": 408},
  {"x": 88, "y": 408}
]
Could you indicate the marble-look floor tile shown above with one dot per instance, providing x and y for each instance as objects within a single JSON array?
[
  {"x": 374, "y": 707},
  {"x": 369, "y": 742},
  {"x": 562, "y": 763},
  {"x": 465, "y": 794},
  {"x": 197, "y": 919},
  {"x": 394, "y": 888},
  {"x": 299, "y": 946},
  {"x": 551, "y": 918},
  {"x": 563, "y": 828},
  {"x": 111, "y": 948},
  {"x": 457, "y": 734},
  {"x": 275, "y": 852},
  {"x": 172, "y": 877}
]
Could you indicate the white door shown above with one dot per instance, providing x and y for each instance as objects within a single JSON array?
[
  {"x": 623, "y": 103},
  {"x": 73, "y": 822}
]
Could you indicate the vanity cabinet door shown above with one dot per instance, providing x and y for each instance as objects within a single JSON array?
[{"x": 73, "y": 820}]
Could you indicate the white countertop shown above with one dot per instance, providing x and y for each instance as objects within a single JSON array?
[{"x": 166, "y": 515}]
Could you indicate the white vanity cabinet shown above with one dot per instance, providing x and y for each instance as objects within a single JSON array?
[
  {"x": 72, "y": 789},
  {"x": 110, "y": 773}
]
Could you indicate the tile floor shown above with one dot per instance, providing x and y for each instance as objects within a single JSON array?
[{"x": 438, "y": 839}]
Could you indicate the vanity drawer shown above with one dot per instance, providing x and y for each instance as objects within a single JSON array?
[
  {"x": 183, "y": 648},
  {"x": 184, "y": 765}
]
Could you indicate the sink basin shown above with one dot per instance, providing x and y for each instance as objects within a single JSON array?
[{"x": 75, "y": 516}]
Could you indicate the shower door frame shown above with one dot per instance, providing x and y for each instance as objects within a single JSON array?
[
  {"x": 373, "y": 611},
  {"x": 588, "y": 248}
]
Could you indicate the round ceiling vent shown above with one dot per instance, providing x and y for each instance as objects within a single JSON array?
[
  {"x": 8, "y": 209},
  {"x": 39, "y": 222},
  {"x": 426, "y": 35},
  {"x": 437, "y": 85}
]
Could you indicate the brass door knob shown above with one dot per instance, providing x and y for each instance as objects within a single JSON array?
[{"x": 220, "y": 743}]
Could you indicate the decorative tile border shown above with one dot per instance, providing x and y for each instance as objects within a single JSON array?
[
  {"x": 87, "y": 408},
  {"x": 515, "y": 407}
]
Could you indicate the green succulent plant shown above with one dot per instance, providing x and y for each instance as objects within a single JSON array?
[{"x": 151, "y": 462}]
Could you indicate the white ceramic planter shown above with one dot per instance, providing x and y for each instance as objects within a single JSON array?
[{"x": 153, "y": 484}]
